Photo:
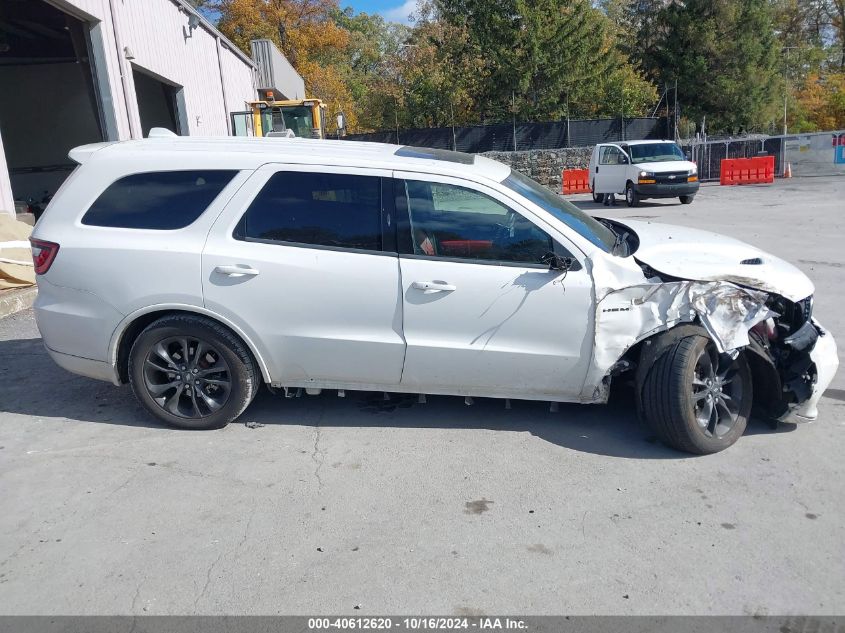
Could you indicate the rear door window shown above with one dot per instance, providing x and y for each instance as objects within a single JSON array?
[
  {"x": 319, "y": 209},
  {"x": 162, "y": 200}
]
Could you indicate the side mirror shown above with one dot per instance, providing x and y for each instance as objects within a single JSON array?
[
  {"x": 625, "y": 160},
  {"x": 556, "y": 262}
]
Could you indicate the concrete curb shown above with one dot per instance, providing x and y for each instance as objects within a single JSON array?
[{"x": 16, "y": 300}]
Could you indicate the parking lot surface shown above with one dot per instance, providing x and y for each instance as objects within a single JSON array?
[{"x": 362, "y": 506}]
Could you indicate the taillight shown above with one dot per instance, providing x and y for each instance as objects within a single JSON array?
[{"x": 43, "y": 254}]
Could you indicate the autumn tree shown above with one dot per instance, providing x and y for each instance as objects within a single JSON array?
[
  {"x": 306, "y": 31},
  {"x": 818, "y": 103}
]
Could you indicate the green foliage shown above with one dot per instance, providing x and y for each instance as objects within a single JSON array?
[
  {"x": 483, "y": 61},
  {"x": 724, "y": 56}
]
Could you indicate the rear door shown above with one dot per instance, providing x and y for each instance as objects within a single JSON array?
[
  {"x": 301, "y": 261},
  {"x": 610, "y": 170}
]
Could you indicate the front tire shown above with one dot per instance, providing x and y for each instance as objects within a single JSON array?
[
  {"x": 191, "y": 372},
  {"x": 632, "y": 198},
  {"x": 695, "y": 399},
  {"x": 687, "y": 199}
]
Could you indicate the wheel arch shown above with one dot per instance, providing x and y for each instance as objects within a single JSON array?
[
  {"x": 645, "y": 352},
  {"x": 133, "y": 324}
]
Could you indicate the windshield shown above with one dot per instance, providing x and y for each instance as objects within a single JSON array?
[
  {"x": 299, "y": 119},
  {"x": 563, "y": 210},
  {"x": 655, "y": 152}
]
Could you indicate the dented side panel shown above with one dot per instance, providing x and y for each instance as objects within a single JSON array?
[{"x": 627, "y": 316}]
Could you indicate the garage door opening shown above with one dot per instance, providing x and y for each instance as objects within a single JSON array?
[
  {"x": 158, "y": 103},
  {"x": 48, "y": 100}
]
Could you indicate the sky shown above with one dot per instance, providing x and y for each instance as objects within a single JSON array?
[{"x": 393, "y": 10}]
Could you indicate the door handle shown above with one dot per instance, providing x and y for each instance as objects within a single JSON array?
[
  {"x": 597, "y": 169},
  {"x": 237, "y": 271},
  {"x": 434, "y": 286}
]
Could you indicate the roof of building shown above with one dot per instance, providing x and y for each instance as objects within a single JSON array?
[{"x": 250, "y": 153}]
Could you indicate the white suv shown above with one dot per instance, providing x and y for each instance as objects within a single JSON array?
[
  {"x": 641, "y": 170},
  {"x": 196, "y": 269}
]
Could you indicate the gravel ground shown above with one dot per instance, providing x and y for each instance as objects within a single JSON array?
[{"x": 359, "y": 506}]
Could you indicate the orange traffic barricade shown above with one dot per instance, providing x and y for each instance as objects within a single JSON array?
[
  {"x": 747, "y": 171},
  {"x": 576, "y": 181}
]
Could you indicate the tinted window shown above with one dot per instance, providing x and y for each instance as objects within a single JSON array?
[
  {"x": 656, "y": 152},
  {"x": 322, "y": 209},
  {"x": 451, "y": 221},
  {"x": 561, "y": 209},
  {"x": 163, "y": 200},
  {"x": 611, "y": 156}
]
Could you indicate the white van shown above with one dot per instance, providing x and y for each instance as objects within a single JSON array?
[{"x": 642, "y": 169}]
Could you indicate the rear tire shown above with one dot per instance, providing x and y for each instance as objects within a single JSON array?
[
  {"x": 687, "y": 199},
  {"x": 632, "y": 198},
  {"x": 192, "y": 373},
  {"x": 597, "y": 197},
  {"x": 695, "y": 399}
]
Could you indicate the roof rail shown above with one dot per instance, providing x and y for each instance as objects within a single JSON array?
[{"x": 161, "y": 132}]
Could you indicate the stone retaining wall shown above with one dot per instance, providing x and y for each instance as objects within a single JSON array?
[{"x": 545, "y": 165}]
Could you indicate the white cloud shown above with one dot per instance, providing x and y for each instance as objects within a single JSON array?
[{"x": 401, "y": 13}]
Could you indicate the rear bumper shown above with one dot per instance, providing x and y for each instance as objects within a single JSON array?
[
  {"x": 826, "y": 361},
  {"x": 96, "y": 369},
  {"x": 76, "y": 326},
  {"x": 667, "y": 190}
]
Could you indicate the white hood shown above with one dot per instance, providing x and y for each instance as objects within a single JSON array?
[{"x": 704, "y": 256}]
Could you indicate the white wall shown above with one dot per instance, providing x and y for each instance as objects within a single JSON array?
[
  {"x": 155, "y": 31},
  {"x": 7, "y": 202}
]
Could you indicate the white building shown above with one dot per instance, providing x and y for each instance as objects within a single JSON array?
[{"x": 83, "y": 71}]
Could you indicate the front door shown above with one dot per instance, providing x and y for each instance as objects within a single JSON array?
[
  {"x": 482, "y": 314},
  {"x": 610, "y": 170},
  {"x": 300, "y": 263}
]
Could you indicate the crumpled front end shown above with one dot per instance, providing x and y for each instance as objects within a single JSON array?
[{"x": 792, "y": 358}]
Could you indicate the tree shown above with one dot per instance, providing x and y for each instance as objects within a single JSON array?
[
  {"x": 819, "y": 104},
  {"x": 306, "y": 32},
  {"x": 539, "y": 54},
  {"x": 724, "y": 56}
]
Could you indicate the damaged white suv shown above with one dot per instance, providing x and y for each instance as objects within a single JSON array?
[{"x": 196, "y": 269}]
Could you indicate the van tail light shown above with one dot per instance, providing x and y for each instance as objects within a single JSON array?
[{"x": 43, "y": 254}]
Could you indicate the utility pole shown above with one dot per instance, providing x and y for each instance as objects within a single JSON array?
[
  {"x": 568, "y": 138},
  {"x": 452, "y": 110},
  {"x": 786, "y": 50},
  {"x": 675, "y": 138}
]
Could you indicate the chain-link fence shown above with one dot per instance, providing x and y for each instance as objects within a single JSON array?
[
  {"x": 817, "y": 154},
  {"x": 508, "y": 137}
]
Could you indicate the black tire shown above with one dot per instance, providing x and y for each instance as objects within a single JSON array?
[
  {"x": 597, "y": 197},
  {"x": 675, "y": 397},
  {"x": 632, "y": 198},
  {"x": 214, "y": 385},
  {"x": 687, "y": 199}
]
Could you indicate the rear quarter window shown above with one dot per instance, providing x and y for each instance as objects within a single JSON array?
[{"x": 162, "y": 200}]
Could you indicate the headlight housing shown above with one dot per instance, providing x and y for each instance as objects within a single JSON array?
[{"x": 646, "y": 178}]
